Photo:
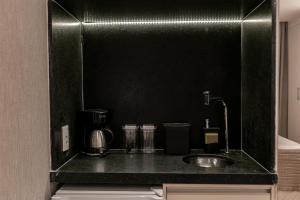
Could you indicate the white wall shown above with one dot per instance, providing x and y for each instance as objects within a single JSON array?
[
  {"x": 24, "y": 101},
  {"x": 288, "y": 10},
  {"x": 294, "y": 81}
]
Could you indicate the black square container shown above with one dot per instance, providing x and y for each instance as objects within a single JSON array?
[{"x": 177, "y": 138}]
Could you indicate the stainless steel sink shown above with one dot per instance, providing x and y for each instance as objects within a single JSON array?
[{"x": 208, "y": 161}]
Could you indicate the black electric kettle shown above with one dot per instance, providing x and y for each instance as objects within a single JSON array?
[{"x": 97, "y": 136}]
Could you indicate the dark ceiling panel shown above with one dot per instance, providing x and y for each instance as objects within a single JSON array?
[
  {"x": 97, "y": 10},
  {"x": 72, "y": 6},
  {"x": 248, "y": 6}
]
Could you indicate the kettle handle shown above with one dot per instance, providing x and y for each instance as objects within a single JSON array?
[{"x": 111, "y": 133}]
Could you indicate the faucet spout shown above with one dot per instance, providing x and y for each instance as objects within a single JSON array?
[
  {"x": 207, "y": 100},
  {"x": 226, "y": 125}
]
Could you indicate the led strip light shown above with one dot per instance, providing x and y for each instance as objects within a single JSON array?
[{"x": 160, "y": 22}]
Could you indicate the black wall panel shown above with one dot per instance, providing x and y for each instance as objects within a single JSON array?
[
  {"x": 258, "y": 86},
  {"x": 65, "y": 80},
  {"x": 155, "y": 73}
]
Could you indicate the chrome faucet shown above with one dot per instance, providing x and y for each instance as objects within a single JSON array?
[{"x": 207, "y": 99}]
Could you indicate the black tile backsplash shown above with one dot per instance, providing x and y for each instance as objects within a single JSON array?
[
  {"x": 65, "y": 80},
  {"x": 258, "y": 86},
  {"x": 156, "y": 74}
]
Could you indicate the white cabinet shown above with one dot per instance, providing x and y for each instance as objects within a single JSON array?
[
  {"x": 101, "y": 192},
  {"x": 219, "y": 192}
]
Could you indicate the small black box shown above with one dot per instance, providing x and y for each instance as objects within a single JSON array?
[{"x": 177, "y": 138}]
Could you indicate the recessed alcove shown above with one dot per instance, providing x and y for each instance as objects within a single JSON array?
[{"x": 150, "y": 61}]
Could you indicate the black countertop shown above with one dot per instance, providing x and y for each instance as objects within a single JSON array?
[{"x": 159, "y": 168}]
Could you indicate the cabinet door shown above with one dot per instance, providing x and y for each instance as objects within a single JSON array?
[{"x": 218, "y": 192}]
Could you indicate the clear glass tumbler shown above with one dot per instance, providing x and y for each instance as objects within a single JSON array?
[
  {"x": 147, "y": 138},
  {"x": 130, "y": 137}
]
